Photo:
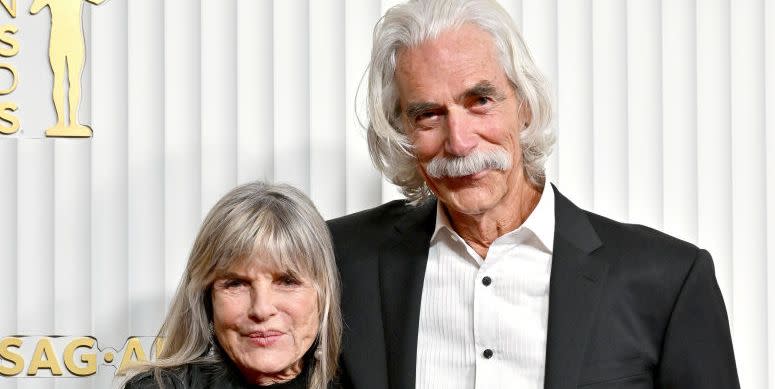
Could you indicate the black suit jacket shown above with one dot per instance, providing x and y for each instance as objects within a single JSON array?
[{"x": 629, "y": 307}]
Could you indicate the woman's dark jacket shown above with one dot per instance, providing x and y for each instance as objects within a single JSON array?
[{"x": 201, "y": 376}]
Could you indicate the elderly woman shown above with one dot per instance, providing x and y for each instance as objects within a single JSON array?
[{"x": 258, "y": 305}]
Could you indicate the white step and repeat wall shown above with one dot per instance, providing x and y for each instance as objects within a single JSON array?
[{"x": 665, "y": 117}]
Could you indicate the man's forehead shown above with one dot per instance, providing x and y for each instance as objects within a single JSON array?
[
  {"x": 449, "y": 65},
  {"x": 464, "y": 43}
]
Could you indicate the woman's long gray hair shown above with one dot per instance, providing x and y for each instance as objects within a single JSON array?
[
  {"x": 254, "y": 221},
  {"x": 407, "y": 25}
]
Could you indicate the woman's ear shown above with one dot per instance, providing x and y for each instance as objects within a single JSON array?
[{"x": 208, "y": 303}]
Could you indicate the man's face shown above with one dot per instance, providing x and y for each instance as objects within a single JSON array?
[{"x": 455, "y": 101}]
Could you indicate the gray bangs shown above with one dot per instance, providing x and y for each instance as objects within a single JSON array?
[{"x": 269, "y": 232}]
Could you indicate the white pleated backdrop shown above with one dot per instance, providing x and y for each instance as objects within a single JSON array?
[{"x": 665, "y": 117}]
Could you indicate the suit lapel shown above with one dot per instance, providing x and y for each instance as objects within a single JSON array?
[
  {"x": 401, "y": 273},
  {"x": 577, "y": 279}
]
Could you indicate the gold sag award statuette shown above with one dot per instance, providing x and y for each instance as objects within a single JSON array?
[{"x": 66, "y": 52}]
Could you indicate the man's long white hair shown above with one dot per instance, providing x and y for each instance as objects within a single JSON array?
[{"x": 408, "y": 25}]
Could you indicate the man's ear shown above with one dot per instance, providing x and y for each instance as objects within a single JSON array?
[{"x": 525, "y": 114}]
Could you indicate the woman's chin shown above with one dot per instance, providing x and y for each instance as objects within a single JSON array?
[{"x": 268, "y": 361}]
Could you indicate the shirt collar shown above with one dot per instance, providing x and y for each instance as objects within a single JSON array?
[{"x": 540, "y": 221}]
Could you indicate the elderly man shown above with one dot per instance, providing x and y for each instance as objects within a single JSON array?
[{"x": 486, "y": 277}]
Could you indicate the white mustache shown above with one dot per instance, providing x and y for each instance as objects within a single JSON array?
[{"x": 477, "y": 161}]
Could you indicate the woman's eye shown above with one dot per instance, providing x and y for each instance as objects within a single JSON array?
[
  {"x": 233, "y": 283},
  {"x": 288, "y": 280}
]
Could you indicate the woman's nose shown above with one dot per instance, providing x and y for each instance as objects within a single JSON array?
[{"x": 262, "y": 305}]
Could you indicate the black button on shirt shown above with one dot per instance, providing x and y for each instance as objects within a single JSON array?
[
  {"x": 487, "y": 354},
  {"x": 486, "y": 281}
]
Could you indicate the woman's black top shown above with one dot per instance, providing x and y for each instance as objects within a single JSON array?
[{"x": 201, "y": 376}]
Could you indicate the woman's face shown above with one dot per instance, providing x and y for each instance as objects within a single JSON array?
[{"x": 265, "y": 320}]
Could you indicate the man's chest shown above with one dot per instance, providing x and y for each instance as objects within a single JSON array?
[{"x": 483, "y": 323}]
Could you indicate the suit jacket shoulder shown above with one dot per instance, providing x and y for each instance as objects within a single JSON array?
[
  {"x": 638, "y": 247},
  {"x": 633, "y": 307},
  {"x": 661, "y": 311},
  {"x": 372, "y": 222},
  {"x": 357, "y": 237},
  {"x": 647, "y": 262}
]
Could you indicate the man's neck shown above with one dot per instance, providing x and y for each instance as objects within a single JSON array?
[{"x": 479, "y": 231}]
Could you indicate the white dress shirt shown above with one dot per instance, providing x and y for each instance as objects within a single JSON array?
[{"x": 483, "y": 322}]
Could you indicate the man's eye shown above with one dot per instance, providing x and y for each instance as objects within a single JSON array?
[
  {"x": 425, "y": 116},
  {"x": 482, "y": 100}
]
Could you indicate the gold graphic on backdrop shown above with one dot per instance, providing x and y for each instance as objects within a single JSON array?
[
  {"x": 66, "y": 53},
  {"x": 9, "y": 47},
  {"x": 71, "y": 356},
  {"x": 10, "y": 6}
]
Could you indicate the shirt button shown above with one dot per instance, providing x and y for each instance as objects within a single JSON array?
[
  {"x": 487, "y": 354},
  {"x": 486, "y": 281}
]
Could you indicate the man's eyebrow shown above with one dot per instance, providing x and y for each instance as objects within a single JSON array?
[
  {"x": 415, "y": 109},
  {"x": 483, "y": 88}
]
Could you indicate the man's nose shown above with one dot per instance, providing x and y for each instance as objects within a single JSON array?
[
  {"x": 461, "y": 136},
  {"x": 262, "y": 305}
]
